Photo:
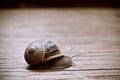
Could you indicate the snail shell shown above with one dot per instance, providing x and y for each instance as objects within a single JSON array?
[{"x": 41, "y": 51}]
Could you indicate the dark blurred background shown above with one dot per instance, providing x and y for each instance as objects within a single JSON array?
[{"x": 59, "y": 3}]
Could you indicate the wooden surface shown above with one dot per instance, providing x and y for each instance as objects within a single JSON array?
[{"x": 95, "y": 33}]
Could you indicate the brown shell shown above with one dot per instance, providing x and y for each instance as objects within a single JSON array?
[{"x": 41, "y": 51}]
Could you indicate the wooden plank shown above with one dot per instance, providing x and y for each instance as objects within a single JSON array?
[
  {"x": 92, "y": 33},
  {"x": 93, "y": 74}
]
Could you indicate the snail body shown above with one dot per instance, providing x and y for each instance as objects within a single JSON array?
[{"x": 47, "y": 54}]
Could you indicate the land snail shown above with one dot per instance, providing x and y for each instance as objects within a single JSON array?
[{"x": 46, "y": 54}]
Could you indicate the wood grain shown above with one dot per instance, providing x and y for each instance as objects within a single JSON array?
[{"x": 94, "y": 33}]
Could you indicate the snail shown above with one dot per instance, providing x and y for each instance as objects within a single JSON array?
[{"x": 45, "y": 53}]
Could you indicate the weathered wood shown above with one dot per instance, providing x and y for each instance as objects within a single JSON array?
[{"x": 92, "y": 33}]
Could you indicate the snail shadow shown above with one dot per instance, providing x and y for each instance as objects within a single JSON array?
[{"x": 56, "y": 64}]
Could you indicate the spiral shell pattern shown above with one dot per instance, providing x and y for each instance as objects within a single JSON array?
[{"x": 41, "y": 51}]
